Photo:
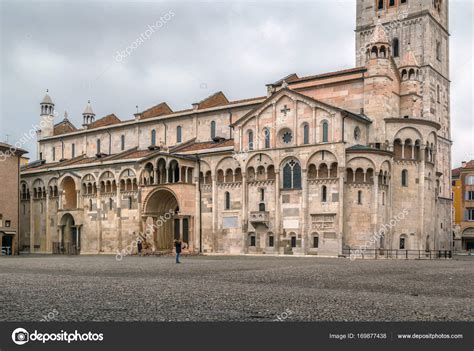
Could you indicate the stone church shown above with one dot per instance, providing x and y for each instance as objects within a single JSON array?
[{"x": 348, "y": 159}]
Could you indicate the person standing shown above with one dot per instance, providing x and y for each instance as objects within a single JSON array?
[
  {"x": 178, "y": 245},
  {"x": 139, "y": 247}
]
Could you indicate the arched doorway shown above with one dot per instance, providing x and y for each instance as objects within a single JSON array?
[
  {"x": 70, "y": 236},
  {"x": 161, "y": 211}
]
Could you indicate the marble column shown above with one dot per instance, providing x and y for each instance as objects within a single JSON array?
[{"x": 304, "y": 210}]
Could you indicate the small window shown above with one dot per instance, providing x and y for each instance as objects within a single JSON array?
[
  {"x": 250, "y": 144},
  {"x": 130, "y": 203},
  {"x": 153, "y": 137},
  {"x": 324, "y": 194},
  {"x": 357, "y": 133},
  {"x": 111, "y": 204},
  {"x": 213, "y": 129},
  {"x": 266, "y": 133},
  {"x": 122, "y": 142},
  {"x": 395, "y": 47},
  {"x": 252, "y": 241},
  {"x": 73, "y": 150},
  {"x": 227, "y": 200},
  {"x": 316, "y": 242},
  {"x": 178, "y": 134},
  {"x": 262, "y": 194},
  {"x": 381, "y": 4},
  {"x": 438, "y": 51},
  {"x": 404, "y": 1},
  {"x": 325, "y": 132},
  {"x": 391, "y": 3},
  {"x": 41, "y": 156},
  {"x": 383, "y": 198},
  {"x": 470, "y": 214},
  {"x": 293, "y": 241},
  {"x": 271, "y": 241},
  {"x": 306, "y": 134},
  {"x": 359, "y": 197},
  {"x": 54, "y": 153},
  {"x": 98, "y": 146},
  {"x": 404, "y": 177},
  {"x": 261, "y": 207}
]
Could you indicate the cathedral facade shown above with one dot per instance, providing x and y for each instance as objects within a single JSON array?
[{"x": 357, "y": 159}]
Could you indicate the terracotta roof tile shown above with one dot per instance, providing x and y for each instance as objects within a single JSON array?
[
  {"x": 217, "y": 99},
  {"x": 155, "y": 111},
  {"x": 207, "y": 145},
  {"x": 64, "y": 127},
  {"x": 104, "y": 121}
]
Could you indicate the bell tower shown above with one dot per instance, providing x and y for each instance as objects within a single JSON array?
[{"x": 418, "y": 30}]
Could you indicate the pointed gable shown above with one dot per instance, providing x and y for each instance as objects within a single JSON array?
[
  {"x": 217, "y": 99},
  {"x": 155, "y": 111},
  {"x": 64, "y": 127}
]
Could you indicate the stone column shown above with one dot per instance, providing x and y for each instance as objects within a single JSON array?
[
  {"x": 78, "y": 199},
  {"x": 118, "y": 218},
  {"x": 214, "y": 211},
  {"x": 49, "y": 245},
  {"x": 277, "y": 233},
  {"x": 155, "y": 176},
  {"x": 244, "y": 212},
  {"x": 403, "y": 149},
  {"x": 99, "y": 221},
  {"x": 32, "y": 226},
  {"x": 375, "y": 206},
  {"x": 304, "y": 210},
  {"x": 167, "y": 174},
  {"x": 197, "y": 219},
  {"x": 421, "y": 192},
  {"x": 315, "y": 134},
  {"x": 341, "y": 239}
]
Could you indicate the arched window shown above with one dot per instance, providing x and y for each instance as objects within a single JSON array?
[
  {"x": 324, "y": 193},
  {"x": 306, "y": 134},
  {"x": 403, "y": 242},
  {"x": 266, "y": 133},
  {"x": 213, "y": 129},
  {"x": 404, "y": 177},
  {"x": 227, "y": 200},
  {"x": 153, "y": 137},
  {"x": 130, "y": 202},
  {"x": 250, "y": 145},
  {"x": 111, "y": 204},
  {"x": 262, "y": 194},
  {"x": 315, "y": 241},
  {"x": 178, "y": 134},
  {"x": 292, "y": 175},
  {"x": 90, "y": 204},
  {"x": 98, "y": 146},
  {"x": 325, "y": 132},
  {"x": 395, "y": 47},
  {"x": 359, "y": 197},
  {"x": 261, "y": 207},
  {"x": 380, "y": 4}
]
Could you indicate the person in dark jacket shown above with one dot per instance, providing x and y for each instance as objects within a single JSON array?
[
  {"x": 139, "y": 247},
  {"x": 178, "y": 245}
]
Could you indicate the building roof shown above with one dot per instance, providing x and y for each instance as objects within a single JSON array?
[
  {"x": 5, "y": 147},
  {"x": 88, "y": 110},
  {"x": 47, "y": 99},
  {"x": 408, "y": 59},
  {"x": 216, "y": 99},
  {"x": 379, "y": 35},
  {"x": 64, "y": 127},
  {"x": 104, "y": 121},
  {"x": 206, "y": 145},
  {"x": 319, "y": 76},
  {"x": 456, "y": 172},
  {"x": 155, "y": 111}
]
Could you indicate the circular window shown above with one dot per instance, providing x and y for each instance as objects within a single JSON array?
[
  {"x": 287, "y": 137},
  {"x": 357, "y": 133}
]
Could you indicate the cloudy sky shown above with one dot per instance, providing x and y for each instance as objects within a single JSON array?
[{"x": 70, "y": 48}]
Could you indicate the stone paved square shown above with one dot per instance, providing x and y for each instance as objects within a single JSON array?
[{"x": 227, "y": 288}]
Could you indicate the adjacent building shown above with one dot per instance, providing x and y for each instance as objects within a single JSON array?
[
  {"x": 10, "y": 162},
  {"x": 358, "y": 158},
  {"x": 463, "y": 208}
]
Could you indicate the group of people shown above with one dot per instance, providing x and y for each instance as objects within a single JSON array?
[{"x": 178, "y": 245}]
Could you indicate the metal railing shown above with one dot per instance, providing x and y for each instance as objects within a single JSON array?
[
  {"x": 398, "y": 254},
  {"x": 66, "y": 248}
]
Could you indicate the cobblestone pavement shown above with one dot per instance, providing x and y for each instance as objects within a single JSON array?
[{"x": 216, "y": 288}]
